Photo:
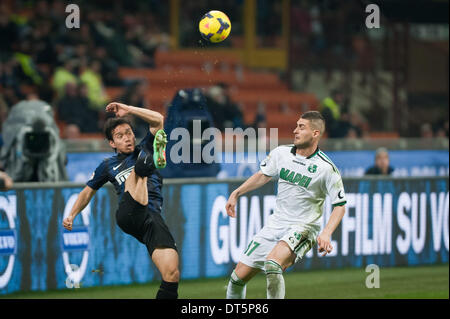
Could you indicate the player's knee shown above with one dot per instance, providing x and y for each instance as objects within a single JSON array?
[
  {"x": 272, "y": 267},
  {"x": 171, "y": 274},
  {"x": 235, "y": 280}
]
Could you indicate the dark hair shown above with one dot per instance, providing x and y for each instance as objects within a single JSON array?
[
  {"x": 312, "y": 115},
  {"x": 112, "y": 123},
  {"x": 316, "y": 120}
]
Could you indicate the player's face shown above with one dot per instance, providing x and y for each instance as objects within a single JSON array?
[
  {"x": 123, "y": 139},
  {"x": 303, "y": 134}
]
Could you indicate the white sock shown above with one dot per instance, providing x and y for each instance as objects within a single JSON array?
[
  {"x": 237, "y": 288},
  {"x": 275, "y": 280}
]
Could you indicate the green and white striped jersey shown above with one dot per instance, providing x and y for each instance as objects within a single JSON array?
[{"x": 303, "y": 184}]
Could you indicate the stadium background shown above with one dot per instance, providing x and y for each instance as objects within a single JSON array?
[{"x": 282, "y": 58}]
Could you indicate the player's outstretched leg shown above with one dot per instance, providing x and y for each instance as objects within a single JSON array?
[
  {"x": 275, "y": 280},
  {"x": 146, "y": 163},
  {"x": 159, "y": 149}
]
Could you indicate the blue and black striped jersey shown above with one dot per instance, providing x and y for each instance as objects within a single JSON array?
[{"x": 117, "y": 168}]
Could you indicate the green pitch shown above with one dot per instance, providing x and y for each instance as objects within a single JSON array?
[{"x": 400, "y": 282}]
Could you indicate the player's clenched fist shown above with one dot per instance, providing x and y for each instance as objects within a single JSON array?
[
  {"x": 67, "y": 223},
  {"x": 119, "y": 109}
]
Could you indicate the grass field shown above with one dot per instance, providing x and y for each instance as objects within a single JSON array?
[{"x": 400, "y": 282}]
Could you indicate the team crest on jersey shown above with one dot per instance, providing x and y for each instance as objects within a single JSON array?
[
  {"x": 264, "y": 162},
  {"x": 312, "y": 168}
]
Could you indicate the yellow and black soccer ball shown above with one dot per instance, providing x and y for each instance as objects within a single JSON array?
[{"x": 215, "y": 26}]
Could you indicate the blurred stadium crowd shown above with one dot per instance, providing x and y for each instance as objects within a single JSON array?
[{"x": 40, "y": 59}]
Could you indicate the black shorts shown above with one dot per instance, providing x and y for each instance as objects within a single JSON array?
[{"x": 149, "y": 228}]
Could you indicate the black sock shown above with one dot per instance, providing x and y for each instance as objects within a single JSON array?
[{"x": 167, "y": 290}]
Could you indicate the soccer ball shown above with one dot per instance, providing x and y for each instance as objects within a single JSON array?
[{"x": 215, "y": 26}]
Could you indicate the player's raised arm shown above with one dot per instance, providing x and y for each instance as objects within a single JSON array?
[
  {"x": 83, "y": 199},
  {"x": 153, "y": 118},
  {"x": 255, "y": 181}
]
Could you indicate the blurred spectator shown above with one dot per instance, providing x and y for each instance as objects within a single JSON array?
[
  {"x": 441, "y": 133},
  {"x": 442, "y": 130},
  {"x": 215, "y": 104},
  {"x": 141, "y": 51},
  {"x": 339, "y": 122},
  {"x": 330, "y": 108},
  {"x": 381, "y": 166},
  {"x": 351, "y": 126},
  {"x": 352, "y": 133},
  {"x": 284, "y": 108},
  {"x": 91, "y": 124},
  {"x": 365, "y": 57},
  {"x": 44, "y": 42},
  {"x": 135, "y": 93},
  {"x": 110, "y": 34},
  {"x": 63, "y": 75},
  {"x": 224, "y": 111},
  {"x": 73, "y": 109},
  {"x": 232, "y": 112},
  {"x": 71, "y": 132},
  {"x": 27, "y": 69},
  {"x": 260, "y": 118},
  {"x": 8, "y": 30},
  {"x": 109, "y": 67},
  {"x": 36, "y": 46},
  {"x": 10, "y": 83},
  {"x": 426, "y": 130},
  {"x": 68, "y": 103},
  {"x": 90, "y": 75},
  {"x": 32, "y": 96}
]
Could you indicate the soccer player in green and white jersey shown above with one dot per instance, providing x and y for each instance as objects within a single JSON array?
[{"x": 306, "y": 177}]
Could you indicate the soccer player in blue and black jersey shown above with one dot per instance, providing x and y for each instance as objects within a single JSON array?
[{"x": 134, "y": 173}]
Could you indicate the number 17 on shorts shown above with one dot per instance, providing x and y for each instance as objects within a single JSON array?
[{"x": 251, "y": 247}]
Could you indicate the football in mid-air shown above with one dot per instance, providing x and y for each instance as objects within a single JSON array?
[{"x": 215, "y": 26}]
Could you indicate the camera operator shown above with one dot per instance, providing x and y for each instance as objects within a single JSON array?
[{"x": 32, "y": 150}]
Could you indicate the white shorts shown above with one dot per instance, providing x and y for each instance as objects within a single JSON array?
[{"x": 299, "y": 238}]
